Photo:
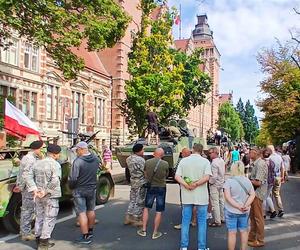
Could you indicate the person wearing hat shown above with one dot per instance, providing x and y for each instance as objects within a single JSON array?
[
  {"x": 44, "y": 182},
  {"x": 27, "y": 209},
  {"x": 83, "y": 182},
  {"x": 136, "y": 166}
]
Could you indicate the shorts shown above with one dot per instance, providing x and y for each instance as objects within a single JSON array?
[
  {"x": 84, "y": 201},
  {"x": 236, "y": 222},
  {"x": 153, "y": 128},
  {"x": 158, "y": 194}
]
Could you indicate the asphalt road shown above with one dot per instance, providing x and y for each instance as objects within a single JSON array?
[{"x": 111, "y": 234}]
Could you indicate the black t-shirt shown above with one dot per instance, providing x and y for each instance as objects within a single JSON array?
[{"x": 152, "y": 117}]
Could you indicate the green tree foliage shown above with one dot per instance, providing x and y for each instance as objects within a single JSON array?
[
  {"x": 281, "y": 104},
  {"x": 62, "y": 24},
  {"x": 250, "y": 123},
  {"x": 241, "y": 109},
  {"x": 248, "y": 119},
  {"x": 230, "y": 122},
  {"x": 263, "y": 138},
  {"x": 167, "y": 78}
]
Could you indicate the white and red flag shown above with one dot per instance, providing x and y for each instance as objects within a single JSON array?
[
  {"x": 17, "y": 123},
  {"x": 177, "y": 19}
]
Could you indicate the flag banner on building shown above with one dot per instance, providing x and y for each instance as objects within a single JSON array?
[
  {"x": 177, "y": 19},
  {"x": 17, "y": 123}
]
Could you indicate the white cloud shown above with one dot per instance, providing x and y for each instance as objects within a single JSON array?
[{"x": 241, "y": 28}]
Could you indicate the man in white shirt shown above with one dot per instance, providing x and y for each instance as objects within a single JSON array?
[
  {"x": 279, "y": 178},
  {"x": 192, "y": 174}
]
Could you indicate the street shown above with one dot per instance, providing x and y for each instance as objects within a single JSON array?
[{"x": 111, "y": 234}]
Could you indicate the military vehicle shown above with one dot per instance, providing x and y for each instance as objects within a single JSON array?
[
  {"x": 173, "y": 139},
  {"x": 10, "y": 202}
]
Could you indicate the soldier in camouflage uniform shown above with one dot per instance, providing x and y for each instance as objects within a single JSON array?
[
  {"x": 27, "y": 209},
  {"x": 44, "y": 182},
  {"x": 136, "y": 165}
]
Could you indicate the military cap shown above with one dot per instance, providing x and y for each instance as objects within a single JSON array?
[
  {"x": 137, "y": 148},
  {"x": 54, "y": 149},
  {"x": 36, "y": 144}
]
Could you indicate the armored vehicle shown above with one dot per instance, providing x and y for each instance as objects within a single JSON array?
[
  {"x": 10, "y": 202},
  {"x": 173, "y": 139}
]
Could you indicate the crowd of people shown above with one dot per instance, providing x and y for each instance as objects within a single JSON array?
[
  {"x": 235, "y": 186},
  {"x": 240, "y": 187}
]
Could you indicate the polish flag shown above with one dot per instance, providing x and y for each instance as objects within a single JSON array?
[
  {"x": 177, "y": 19},
  {"x": 17, "y": 123}
]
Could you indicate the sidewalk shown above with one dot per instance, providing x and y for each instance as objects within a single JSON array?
[{"x": 117, "y": 172}]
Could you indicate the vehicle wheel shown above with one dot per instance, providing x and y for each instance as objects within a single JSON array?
[
  {"x": 104, "y": 187},
  {"x": 12, "y": 220},
  {"x": 127, "y": 175}
]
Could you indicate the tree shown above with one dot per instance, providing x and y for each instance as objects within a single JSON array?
[
  {"x": 168, "y": 80},
  {"x": 263, "y": 138},
  {"x": 62, "y": 24},
  {"x": 250, "y": 123},
  {"x": 230, "y": 122},
  {"x": 281, "y": 103},
  {"x": 241, "y": 110}
]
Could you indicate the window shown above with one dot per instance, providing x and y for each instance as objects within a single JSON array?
[
  {"x": 99, "y": 111},
  {"x": 33, "y": 106},
  {"x": 10, "y": 54},
  {"x": 52, "y": 102},
  {"x": 25, "y": 102},
  {"x": 78, "y": 110},
  {"x": 31, "y": 57}
]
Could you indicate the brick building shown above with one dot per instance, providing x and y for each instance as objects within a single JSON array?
[
  {"x": 204, "y": 117},
  {"x": 29, "y": 75}
]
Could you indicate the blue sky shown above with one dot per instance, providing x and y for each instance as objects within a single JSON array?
[{"x": 241, "y": 29}]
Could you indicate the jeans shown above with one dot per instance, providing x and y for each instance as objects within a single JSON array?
[{"x": 202, "y": 226}]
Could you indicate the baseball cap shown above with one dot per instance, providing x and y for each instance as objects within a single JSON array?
[{"x": 81, "y": 144}]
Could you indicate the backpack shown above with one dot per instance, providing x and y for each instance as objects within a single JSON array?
[{"x": 271, "y": 172}]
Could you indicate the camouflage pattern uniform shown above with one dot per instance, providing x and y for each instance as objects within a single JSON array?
[
  {"x": 27, "y": 209},
  {"x": 136, "y": 166},
  {"x": 45, "y": 175}
]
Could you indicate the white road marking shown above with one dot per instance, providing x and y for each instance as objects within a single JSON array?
[
  {"x": 282, "y": 236},
  {"x": 71, "y": 216}
]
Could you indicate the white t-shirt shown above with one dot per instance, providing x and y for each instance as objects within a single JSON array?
[
  {"x": 287, "y": 162},
  {"x": 237, "y": 193},
  {"x": 195, "y": 167},
  {"x": 277, "y": 159}
]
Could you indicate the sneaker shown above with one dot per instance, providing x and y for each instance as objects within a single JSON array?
[
  {"x": 178, "y": 227},
  {"x": 273, "y": 215},
  {"x": 83, "y": 240},
  {"x": 90, "y": 236},
  {"x": 28, "y": 237},
  {"x": 280, "y": 213},
  {"x": 142, "y": 233},
  {"x": 183, "y": 248},
  {"x": 156, "y": 235},
  {"x": 209, "y": 216}
]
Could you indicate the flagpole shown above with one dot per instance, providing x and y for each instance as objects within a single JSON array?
[{"x": 180, "y": 27}]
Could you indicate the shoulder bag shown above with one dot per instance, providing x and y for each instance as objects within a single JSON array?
[{"x": 148, "y": 183}]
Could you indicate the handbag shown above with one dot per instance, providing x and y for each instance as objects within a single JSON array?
[{"x": 148, "y": 183}]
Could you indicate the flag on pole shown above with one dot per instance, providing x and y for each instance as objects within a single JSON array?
[
  {"x": 177, "y": 19},
  {"x": 17, "y": 123}
]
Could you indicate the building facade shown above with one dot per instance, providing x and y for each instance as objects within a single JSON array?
[
  {"x": 203, "y": 118},
  {"x": 30, "y": 78}
]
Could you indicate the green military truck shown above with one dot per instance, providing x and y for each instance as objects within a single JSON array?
[{"x": 10, "y": 202}]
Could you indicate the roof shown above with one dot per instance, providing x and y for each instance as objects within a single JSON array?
[
  {"x": 225, "y": 98},
  {"x": 91, "y": 59},
  {"x": 182, "y": 44}
]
